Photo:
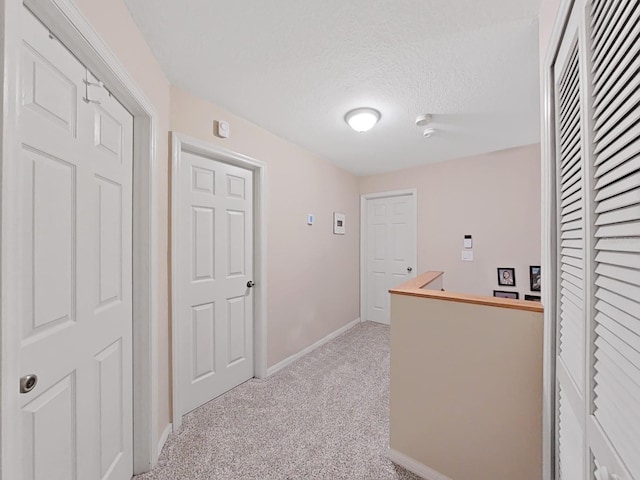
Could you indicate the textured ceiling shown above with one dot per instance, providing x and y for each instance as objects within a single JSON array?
[{"x": 295, "y": 67}]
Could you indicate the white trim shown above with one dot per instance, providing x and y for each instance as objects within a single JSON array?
[
  {"x": 68, "y": 24},
  {"x": 549, "y": 245},
  {"x": 415, "y": 466},
  {"x": 363, "y": 238},
  {"x": 163, "y": 438},
  {"x": 289, "y": 360},
  {"x": 182, "y": 143}
]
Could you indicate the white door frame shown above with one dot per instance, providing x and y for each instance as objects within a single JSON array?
[
  {"x": 412, "y": 192},
  {"x": 182, "y": 143},
  {"x": 549, "y": 242},
  {"x": 70, "y": 26}
]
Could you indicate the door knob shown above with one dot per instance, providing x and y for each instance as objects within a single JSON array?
[
  {"x": 250, "y": 283},
  {"x": 28, "y": 383},
  {"x": 409, "y": 269}
]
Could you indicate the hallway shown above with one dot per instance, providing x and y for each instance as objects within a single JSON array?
[{"x": 323, "y": 417}]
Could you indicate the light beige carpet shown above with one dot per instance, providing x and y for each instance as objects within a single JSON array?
[{"x": 326, "y": 416}]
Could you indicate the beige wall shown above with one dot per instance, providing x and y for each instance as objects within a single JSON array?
[
  {"x": 494, "y": 197},
  {"x": 546, "y": 20},
  {"x": 466, "y": 388},
  {"x": 312, "y": 274}
]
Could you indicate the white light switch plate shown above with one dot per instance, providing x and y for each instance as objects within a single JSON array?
[{"x": 467, "y": 255}]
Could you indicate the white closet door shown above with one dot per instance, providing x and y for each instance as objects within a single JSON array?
[
  {"x": 571, "y": 243},
  {"x": 76, "y": 283},
  {"x": 614, "y": 421}
]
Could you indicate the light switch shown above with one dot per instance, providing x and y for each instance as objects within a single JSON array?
[
  {"x": 468, "y": 242},
  {"x": 467, "y": 255},
  {"x": 309, "y": 218}
]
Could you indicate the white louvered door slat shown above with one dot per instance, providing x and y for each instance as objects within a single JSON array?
[
  {"x": 614, "y": 433},
  {"x": 570, "y": 427}
]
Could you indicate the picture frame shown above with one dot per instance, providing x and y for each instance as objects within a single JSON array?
[
  {"x": 506, "y": 277},
  {"x": 534, "y": 278},
  {"x": 505, "y": 294},
  {"x": 533, "y": 298},
  {"x": 339, "y": 220}
]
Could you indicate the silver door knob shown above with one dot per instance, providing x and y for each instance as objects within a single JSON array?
[
  {"x": 409, "y": 269},
  {"x": 28, "y": 383},
  {"x": 250, "y": 283}
]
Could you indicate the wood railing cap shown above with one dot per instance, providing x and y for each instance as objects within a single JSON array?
[{"x": 416, "y": 288}]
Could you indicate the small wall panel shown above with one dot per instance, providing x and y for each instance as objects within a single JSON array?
[
  {"x": 203, "y": 180},
  {"x": 54, "y": 216},
  {"x": 49, "y": 426},
  {"x": 111, "y": 394},
  {"x": 380, "y": 242},
  {"x": 236, "y": 328},
  {"x": 236, "y": 245},
  {"x": 379, "y": 290},
  {"x": 379, "y": 210},
  {"x": 203, "y": 248},
  {"x": 47, "y": 91},
  {"x": 203, "y": 331},
  {"x": 400, "y": 237},
  {"x": 109, "y": 241},
  {"x": 235, "y": 187},
  {"x": 108, "y": 133}
]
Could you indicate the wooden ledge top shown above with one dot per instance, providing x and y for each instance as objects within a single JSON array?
[{"x": 416, "y": 288}]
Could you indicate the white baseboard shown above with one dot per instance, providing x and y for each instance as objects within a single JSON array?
[
  {"x": 289, "y": 360},
  {"x": 163, "y": 438},
  {"x": 414, "y": 466}
]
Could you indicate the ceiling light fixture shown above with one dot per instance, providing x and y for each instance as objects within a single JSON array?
[
  {"x": 423, "y": 120},
  {"x": 428, "y": 132},
  {"x": 362, "y": 119}
]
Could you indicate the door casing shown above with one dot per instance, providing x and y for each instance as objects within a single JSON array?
[
  {"x": 69, "y": 25},
  {"x": 182, "y": 143},
  {"x": 363, "y": 238}
]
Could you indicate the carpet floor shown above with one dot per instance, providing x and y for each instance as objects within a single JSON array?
[{"x": 326, "y": 416}]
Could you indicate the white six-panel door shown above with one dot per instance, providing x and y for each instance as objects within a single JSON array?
[
  {"x": 389, "y": 250},
  {"x": 215, "y": 263},
  {"x": 76, "y": 284}
]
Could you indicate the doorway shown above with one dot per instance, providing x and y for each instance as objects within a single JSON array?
[
  {"x": 219, "y": 272},
  {"x": 388, "y": 238}
]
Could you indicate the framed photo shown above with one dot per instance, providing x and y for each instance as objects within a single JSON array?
[
  {"x": 534, "y": 278},
  {"x": 532, "y": 298},
  {"x": 506, "y": 277},
  {"x": 503, "y": 294},
  {"x": 338, "y": 223}
]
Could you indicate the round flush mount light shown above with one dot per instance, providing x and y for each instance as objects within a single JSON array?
[
  {"x": 428, "y": 132},
  {"x": 423, "y": 120},
  {"x": 362, "y": 119}
]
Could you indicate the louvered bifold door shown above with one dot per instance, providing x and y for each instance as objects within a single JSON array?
[
  {"x": 614, "y": 423},
  {"x": 571, "y": 254}
]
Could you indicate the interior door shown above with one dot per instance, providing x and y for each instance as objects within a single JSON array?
[
  {"x": 570, "y": 172},
  {"x": 76, "y": 208},
  {"x": 215, "y": 268},
  {"x": 390, "y": 250}
]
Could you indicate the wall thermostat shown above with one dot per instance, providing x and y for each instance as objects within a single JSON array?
[{"x": 223, "y": 130}]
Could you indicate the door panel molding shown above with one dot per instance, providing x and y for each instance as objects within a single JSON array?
[
  {"x": 184, "y": 144},
  {"x": 70, "y": 26},
  {"x": 364, "y": 198}
]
